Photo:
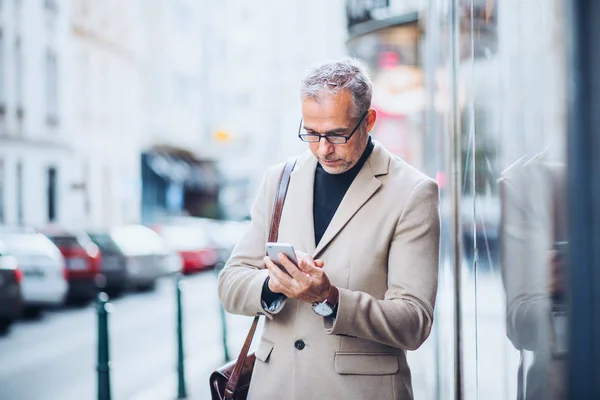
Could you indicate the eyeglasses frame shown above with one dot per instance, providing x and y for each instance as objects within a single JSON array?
[{"x": 326, "y": 137}]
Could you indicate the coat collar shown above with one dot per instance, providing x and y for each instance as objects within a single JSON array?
[{"x": 362, "y": 188}]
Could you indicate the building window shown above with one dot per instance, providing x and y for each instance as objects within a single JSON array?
[
  {"x": 2, "y": 85},
  {"x": 51, "y": 193},
  {"x": 2, "y": 220},
  {"x": 20, "y": 193},
  {"x": 19, "y": 77},
  {"x": 51, "y": 5},
  {"x": 51, "y": 88}
]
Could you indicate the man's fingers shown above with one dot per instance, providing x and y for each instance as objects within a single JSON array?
[
  {"x": 274, "y": 284},
  {"x": 303, "y": 282},
  {"x": 291, "y": 268},
  {"x": 274, "y": 270},
  {"x": 300, "y": 254},
  {"x": 306, "y": 265},
  {"x": 282, "y": 282}
]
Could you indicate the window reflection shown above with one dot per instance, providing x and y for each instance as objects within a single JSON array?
[
  {"x": 474, "y": 95},
  {"x": 534, "y": 245},
  {"x": 511, "y": 107}
]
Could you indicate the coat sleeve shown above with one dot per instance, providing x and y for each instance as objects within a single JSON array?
[
  {"x": 241, "y": 281},
  {"x": 403, "y": 319},
  {"x": 525, "y": 245}
]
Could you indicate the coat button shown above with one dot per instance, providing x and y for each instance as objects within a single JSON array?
[{"x": 299, "y": 344}]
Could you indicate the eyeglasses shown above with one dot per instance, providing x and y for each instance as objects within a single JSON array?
[{"x": 332, "y": 138}]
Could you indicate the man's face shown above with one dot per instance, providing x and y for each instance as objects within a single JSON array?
[{"x": 332, "y": 114}]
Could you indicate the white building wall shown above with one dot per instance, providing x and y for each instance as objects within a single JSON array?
[
  {"x": 32, "y": 127},
  {"x": 171, "y": 56},
  {"x": 257, "y": 53},
  {"x": 104, "y": 111},
  {"x": 136, "y": 73}
]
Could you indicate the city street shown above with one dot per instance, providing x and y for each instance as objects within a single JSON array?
[{"x": 55, "y": 357}]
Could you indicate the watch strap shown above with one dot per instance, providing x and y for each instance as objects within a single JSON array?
[{"x": 334, "y": 296}]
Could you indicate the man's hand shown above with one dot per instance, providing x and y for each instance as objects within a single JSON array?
[
  {"x": 557, "y": 266},
  {"x": 306, "y": 282}
]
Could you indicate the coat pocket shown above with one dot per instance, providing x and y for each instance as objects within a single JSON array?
[
  {"x": 365, "y": 363},
  {"x": 265, "y": 347}
]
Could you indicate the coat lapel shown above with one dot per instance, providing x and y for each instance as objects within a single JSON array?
[
  {"x": 300, "y": 200},
  {"x": 363, "y": 187}
]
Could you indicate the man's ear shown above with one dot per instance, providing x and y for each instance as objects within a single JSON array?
[{"x": 371, "y": 118}]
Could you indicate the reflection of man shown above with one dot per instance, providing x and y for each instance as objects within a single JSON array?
[
  {"x": 533, "y": 237},
  {"x": 340, "y": 325}
]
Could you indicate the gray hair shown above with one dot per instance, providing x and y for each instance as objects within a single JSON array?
[{"x": 335, "y": 76}]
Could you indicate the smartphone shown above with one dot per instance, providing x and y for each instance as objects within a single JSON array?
[{"x": 273, "y": 249}]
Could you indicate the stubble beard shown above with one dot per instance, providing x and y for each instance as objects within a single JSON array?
[{"x": 345, "y": 166}]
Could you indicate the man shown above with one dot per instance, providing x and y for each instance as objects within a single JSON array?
[{"x": 365, "y": 226}]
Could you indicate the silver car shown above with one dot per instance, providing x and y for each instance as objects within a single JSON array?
[
  {"x": 44, "y": 282},
  {"x": 147, "y": 257}
]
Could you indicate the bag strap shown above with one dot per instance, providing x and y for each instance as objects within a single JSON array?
[{"x": 284, "y": 182}]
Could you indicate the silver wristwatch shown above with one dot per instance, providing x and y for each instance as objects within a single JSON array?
[{"x": 327, "y": 307}]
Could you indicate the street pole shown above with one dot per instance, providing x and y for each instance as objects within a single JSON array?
[
  {"x": 181, "y": 392},
  {"x": 223, "y": 322},
  {"x": 103, "y": 366}
]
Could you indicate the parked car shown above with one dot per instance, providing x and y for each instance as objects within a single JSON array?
[
  {"x": 192, "y": 243},
  {"x": 231, "y": 232},
  {"x": 11, "y": 300},
  {"x": 223, "y": 235},
  {"x": 114, "y": 263},
  {"x": 147, "y": 257},
  {"x": 83, "y": 260},
  {"x": 44, "y": 276}
]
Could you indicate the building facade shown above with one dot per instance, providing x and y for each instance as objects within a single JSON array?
[
  {"x": 255, "y": 58},
  {"x": 179, "y": 175},
  {"x": 103, "y": 94},
  {"x": 35, "y": 145},
  {"x": 70, "y": 113}
]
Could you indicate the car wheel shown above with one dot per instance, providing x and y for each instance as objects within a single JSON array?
[
  {"x": 147, "y": 287},
  {"x": 32, "y": 312},
  {"x": 4, "y": 325},
  {"x": 115, "y": 292}
]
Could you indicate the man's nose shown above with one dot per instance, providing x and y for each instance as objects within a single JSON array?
[{"x": 325, "y": 148}]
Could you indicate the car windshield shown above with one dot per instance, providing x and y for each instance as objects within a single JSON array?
[
  {"x": 182, "y": 238},
  {"x": 105, "y": 242},
  {"x": 29, "y": 244},
  {"x": 66, "y": 241},
  {"x": 137, "y": 240}
]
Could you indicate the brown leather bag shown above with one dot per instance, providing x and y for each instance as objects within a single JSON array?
[{"x": 232, "y": 380}]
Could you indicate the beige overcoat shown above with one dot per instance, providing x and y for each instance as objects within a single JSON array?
[{"x": 381, "y": 251}]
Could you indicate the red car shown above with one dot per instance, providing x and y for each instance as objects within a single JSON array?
[
  {"x": 192, "y": 244},
  {"x": 83, "y": 260}
]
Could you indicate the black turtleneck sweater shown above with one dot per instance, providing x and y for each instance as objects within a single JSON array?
[{"x": 329, "y": 190}]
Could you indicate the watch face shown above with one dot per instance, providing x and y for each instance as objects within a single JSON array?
[{"x": 323, "y": 309}]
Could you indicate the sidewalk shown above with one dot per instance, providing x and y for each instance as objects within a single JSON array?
[
  {"x": 489, "y": 361},
  {"x": 199, "y": 365}
]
